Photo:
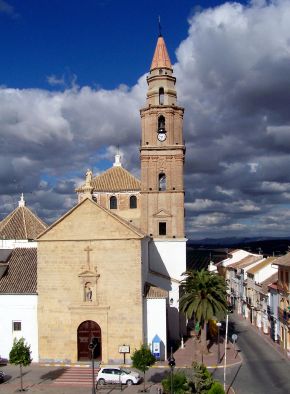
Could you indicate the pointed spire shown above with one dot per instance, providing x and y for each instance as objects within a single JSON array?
[
  {"x": 161, "y": 58},
  {"x": 21, "y": 203}
]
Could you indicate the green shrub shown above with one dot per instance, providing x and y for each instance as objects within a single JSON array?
[
  {"x": 180, "y": 385},
  {"x": 216, "y": 388}
]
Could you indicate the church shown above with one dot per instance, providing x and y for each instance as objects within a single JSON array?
[{"x": 110, "y": 267}]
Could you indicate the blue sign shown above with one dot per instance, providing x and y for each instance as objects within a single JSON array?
[{"x": 156, "y": 346}]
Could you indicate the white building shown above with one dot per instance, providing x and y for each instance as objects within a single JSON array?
[{"x": 18, "y": 276}]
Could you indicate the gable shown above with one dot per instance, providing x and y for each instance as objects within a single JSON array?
[
  {"x": 162, "y": 214},
  {"x": 89, "y": 220}
]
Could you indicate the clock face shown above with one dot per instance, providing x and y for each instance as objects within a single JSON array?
[{"x": 161, "y": 136}]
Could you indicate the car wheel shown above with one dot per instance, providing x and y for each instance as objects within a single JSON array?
[
  {"x": 101, "y": 382},
  {"x": 129, "y": 382}
]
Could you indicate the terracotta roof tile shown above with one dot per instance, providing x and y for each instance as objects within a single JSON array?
[
  {"x": 22, "y": 223},
  {"x": 283, "y": 260},
  {"x": 261, "y": 265},
  {"x": 161, "y": 57},
  {"x": 267, "y": 282},
  {"x": 115, "y": 179},
  {"x": 152, "y": 291},
  {"x": 21, "y": 275},
  {"x": 245, "y": 262}
]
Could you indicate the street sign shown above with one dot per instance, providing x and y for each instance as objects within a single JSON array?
[{"x": 234, "y": 337}]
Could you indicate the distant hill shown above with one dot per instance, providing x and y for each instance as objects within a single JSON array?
[{"x": 268, "y": 246}]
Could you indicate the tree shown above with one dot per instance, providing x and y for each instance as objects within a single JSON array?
[
  {"x": 142, "y": 360},
  {"x": 203, "y": 380},
  {"x": 20, "y": 355},
  {"x": 180, "y": 385},
  {"x": 203, "y": 296}
]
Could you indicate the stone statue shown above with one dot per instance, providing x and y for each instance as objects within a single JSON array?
[{"x": 89, "y": 177}]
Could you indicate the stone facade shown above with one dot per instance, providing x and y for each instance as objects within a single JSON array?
[{"x": 91, "y": 246}]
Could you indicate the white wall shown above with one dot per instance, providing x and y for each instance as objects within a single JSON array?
[
  {"x": 167, "y": 263},
  {"x": 156, "y": 323},
  {"x": 168, "y": 257},
  {"x": 265, "y": 273},
  {"x": 21, "y": 308}
]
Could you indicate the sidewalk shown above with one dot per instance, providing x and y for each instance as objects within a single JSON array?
[{"x": 192, "y": 352}]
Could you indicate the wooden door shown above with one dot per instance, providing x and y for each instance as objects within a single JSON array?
[{"x": 86, "y": 331}]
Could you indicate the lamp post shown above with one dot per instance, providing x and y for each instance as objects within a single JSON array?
[
  {"x": 92, "y": 345},
  {"x": 219, "y": 351},
  {"x": 171, "y": 363}
]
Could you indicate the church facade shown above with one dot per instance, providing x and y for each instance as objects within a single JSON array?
[{"x": 110, "y": 268}]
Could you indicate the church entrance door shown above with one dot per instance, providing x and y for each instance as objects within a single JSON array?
[{"x": 88, "y": 330}]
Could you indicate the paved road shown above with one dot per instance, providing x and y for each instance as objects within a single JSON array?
[{"x": 263, "y": 370}]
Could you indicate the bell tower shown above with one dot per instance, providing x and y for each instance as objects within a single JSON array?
[{"x": 162, "y": 152}]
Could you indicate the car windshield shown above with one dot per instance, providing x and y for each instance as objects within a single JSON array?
[{"x": 127, "y": 372}]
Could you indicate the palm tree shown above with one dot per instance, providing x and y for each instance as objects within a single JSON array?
[{"x": 203, "y": 296}]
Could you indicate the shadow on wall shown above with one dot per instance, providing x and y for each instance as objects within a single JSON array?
[{"x": 159, "y": 275}]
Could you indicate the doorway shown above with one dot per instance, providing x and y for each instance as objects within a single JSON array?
[{"x": 88, "y": 330}]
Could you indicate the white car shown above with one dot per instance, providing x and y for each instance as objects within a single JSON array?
[{"x": 117, "y": 375}]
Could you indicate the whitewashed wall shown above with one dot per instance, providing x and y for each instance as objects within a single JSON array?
[
  {"x": 156, "y": 323},
  {"x": 167, "y": 263},
  {"x": 21, "y": 308}
]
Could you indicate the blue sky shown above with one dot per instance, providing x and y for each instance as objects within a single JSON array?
[
  {"x": 73, "y": 78},
  {"x": 102, "y": 42}
]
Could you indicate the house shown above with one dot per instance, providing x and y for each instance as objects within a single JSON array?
[{"x": 18, "y": 278}]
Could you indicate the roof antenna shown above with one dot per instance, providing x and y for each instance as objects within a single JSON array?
[{"x": 159, "y": 26}]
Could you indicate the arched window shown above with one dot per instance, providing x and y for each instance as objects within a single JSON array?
[
  {"x": 162, "y": 181},
  {"x": 161, "y": 124},
  {"x": 133, "y": 202},
  {"x": 161, "y": 96},
  {"x": 113, "y": 202}
]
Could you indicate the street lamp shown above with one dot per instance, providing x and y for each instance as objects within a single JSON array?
[
  {"x": 219, "y": 351},
  {"x": 92, "y": 346},
  {"x": 171, "y": 363}
]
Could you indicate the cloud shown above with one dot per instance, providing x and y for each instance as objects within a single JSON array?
[
  {"x": 233, "y": 73},
  {"x": 8, "y": 9}
]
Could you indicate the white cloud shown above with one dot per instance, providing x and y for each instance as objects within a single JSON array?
[{"x": 233, "y": 73}]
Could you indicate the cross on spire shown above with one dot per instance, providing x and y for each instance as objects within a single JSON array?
[{"x": 159, "y": 26}]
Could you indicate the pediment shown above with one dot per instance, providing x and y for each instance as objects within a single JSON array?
[
  {"x": 88, "y": 274},
  {"x": 162, "y": 214},
  {"x": 88, "y": 220}
]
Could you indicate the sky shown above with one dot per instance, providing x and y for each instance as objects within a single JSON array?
[{"x": 73, "y": 78}]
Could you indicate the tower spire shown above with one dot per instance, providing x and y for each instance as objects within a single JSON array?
[{"x": 161, "y": 58}]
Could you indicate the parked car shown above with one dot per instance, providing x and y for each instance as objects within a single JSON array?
[
  {"x": 2, "y": 376},
  {"x": 117, "y": 375},
  {"x": 3, "y": 361}
]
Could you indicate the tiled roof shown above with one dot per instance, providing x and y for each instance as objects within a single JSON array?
[
  {"x": 267, "y": 282},
  {"x": 152, "y": 291},
  {"x": 21, "y": 275},
  {"x": 161, "y": 57},
  {"x": 283, "y": 260},
  {"x": 261, "y": 265},
  {"x": 22, "y": 223},
  {"x": 245, "y": 262},
  {"x": 115, "y": 179}
]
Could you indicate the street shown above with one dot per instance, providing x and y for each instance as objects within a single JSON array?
[{"x": 263, "y": 370}]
